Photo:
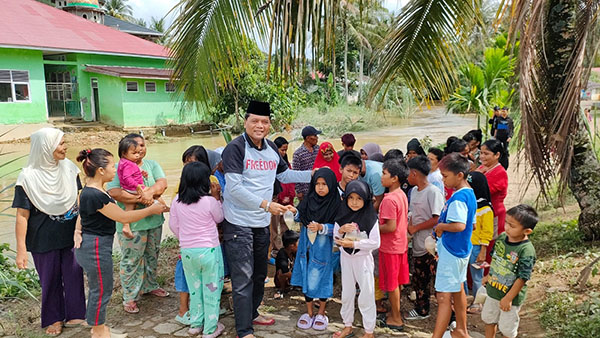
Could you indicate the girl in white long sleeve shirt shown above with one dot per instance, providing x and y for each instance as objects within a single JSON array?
[{"x": 357, "y": 232}]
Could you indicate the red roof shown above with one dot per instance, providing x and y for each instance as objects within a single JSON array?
[
  {"x": 131, "y": 72},
  {"x": 34, "y": 25}
]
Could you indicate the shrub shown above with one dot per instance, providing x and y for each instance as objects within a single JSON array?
[
  {"x": 563, "y": 315},
  {"x": 15, "y": 283}
]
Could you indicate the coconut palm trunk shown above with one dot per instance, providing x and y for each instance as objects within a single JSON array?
[{"x": 552, "y": 74}]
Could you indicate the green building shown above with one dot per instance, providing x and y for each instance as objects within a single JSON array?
[{"x": 54, "y": 64}]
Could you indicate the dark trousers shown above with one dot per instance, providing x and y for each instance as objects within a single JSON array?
[
  {"x": 246, "y": 252},
  {"x": 61, "y": 278},
  {"x": 95, "y": 257},
  {"x": 425, "y": 267}
]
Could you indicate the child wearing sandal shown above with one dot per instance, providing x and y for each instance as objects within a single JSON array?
[
  {"x": 195, "y": 213},
  {"x": 313, "y": 267},
  {"x": 357, "y": 232},
  {"x": 95, "y": 232}
]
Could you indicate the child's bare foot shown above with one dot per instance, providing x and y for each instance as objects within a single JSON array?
[
  {"x": 347, "y": 331},
  {"x": 368, "y": 335},
  {"x": 127, "y": 231},
  {"x": 139, "y": 189}
]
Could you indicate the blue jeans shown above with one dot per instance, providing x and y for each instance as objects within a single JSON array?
[{"x": 476, "y": 274}]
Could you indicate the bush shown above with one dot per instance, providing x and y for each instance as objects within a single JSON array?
[
  {"x": 557, "y": 238},
  {"x": 15, "y": 283},
  {"x": 563, "y": 315}
]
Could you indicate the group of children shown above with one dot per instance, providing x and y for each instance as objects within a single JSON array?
[
  {"x": 459, "y": 218},
  {"x": 345, "y": 227}
]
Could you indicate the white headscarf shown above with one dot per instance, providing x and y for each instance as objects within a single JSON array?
[{"x": 50, "y": 185}]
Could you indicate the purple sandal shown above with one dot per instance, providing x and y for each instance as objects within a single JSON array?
[
  {"x": 320, "y": 323},
  {"x": 308, "y": 322}
]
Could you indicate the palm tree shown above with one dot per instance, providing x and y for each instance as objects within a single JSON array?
[
  {"x": 119, "y": 9},
  {"x": 553, "y": 52},
  {"x": 159, "y": 25}
]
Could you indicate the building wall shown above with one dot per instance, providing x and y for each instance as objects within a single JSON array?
[
  {"x": 110, "y": 97},
  {"x": 34, "y": 111},
  {"x": 158, "y": 108},
  {"x": 85, "y": 89}
]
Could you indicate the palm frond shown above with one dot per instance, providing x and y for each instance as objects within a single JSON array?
[
  {"x": 207, "y": 39},
  {"x": 552, "y": 52},
  {"x": 424, "y": 46}
]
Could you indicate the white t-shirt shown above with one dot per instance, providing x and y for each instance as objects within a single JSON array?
[
  {"x": 424, "y": 204},
  {"x": 435, "y": 178}
]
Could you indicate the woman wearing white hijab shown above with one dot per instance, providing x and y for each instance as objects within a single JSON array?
[{"x": 46, "y": 202}]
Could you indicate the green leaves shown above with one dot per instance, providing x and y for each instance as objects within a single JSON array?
[{"x": 424, "y": 46}]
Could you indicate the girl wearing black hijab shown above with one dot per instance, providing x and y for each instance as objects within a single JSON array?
[
  {"x": 483, "y": 232},
  {"x": 357, "y": 232},
  {"x": 313, "y": 268}
]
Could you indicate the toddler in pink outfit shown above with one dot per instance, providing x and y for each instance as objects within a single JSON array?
[{"x": 131, "y": 177}]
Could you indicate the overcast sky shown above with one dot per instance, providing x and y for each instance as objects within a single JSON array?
[{"x": 147, "y": 9}]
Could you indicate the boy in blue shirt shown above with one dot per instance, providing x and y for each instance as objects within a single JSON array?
[{"x": 454, "y": 246}]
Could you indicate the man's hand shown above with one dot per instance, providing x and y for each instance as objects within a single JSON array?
[
  {"x": 277, "y": 209},
  {"x": 411, "y": 228}
]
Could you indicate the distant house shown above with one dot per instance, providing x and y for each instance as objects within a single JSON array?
[
  {"x": 592, "y": 91},
  {"x": 56, "y": 64}
]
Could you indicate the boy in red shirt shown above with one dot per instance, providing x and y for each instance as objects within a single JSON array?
[{"x": 393, "y": 223}]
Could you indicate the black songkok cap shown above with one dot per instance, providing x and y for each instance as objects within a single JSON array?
[{"x": 259, "y": 108}]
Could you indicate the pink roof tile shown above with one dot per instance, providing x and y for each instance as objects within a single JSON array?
[
  {"x": 131, "y": 72},
  {"x": 34, "y": 25}
]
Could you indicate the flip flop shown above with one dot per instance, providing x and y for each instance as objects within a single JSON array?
[
  {"x": 395, "y": 328},
  {"x": 54, "y": 329},
  {"x": 82, "y": 323},
  {"x": 131, "y": 307},
  {"x": 269, "y": 322},
  {"x": 160, "y": 292},
  {"x": 308, "y": 322},
  {"x": 320, "y": 323}
]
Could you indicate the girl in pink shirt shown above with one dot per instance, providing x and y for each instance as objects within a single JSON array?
[{"x": 194, "y": 218}]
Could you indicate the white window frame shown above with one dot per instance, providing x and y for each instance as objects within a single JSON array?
[
  {"x": 12, "y": 86},
  {"x": 170, "y": 91},
  {"x": 137, "y": 87},
  {"x": 146, "y": 87}
]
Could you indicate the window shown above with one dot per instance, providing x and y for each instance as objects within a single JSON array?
[
  {"x": 169, "y": 87},
  {"x": 150, "y": 87},
  {"x": 14, "y": 86},
  {"x": 132, "y": 86},
  {"x": 85, "y": 16}
]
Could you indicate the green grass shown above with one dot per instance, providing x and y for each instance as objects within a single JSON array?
[
  {"x": 555, "y": 239},
  {"x": 565, "y": 315}
]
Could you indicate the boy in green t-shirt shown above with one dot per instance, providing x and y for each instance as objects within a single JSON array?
[{"x": 513, "y": 257}]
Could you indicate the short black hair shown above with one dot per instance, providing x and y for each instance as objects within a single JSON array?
[
  {"x": 457, "y": 146},
  {"x": 125, "y": 144},
  {"x": 289, "y": 237},
  {"x": 525, "y": 215},
  {"x": 134, "y": 135},
  {"x": 189, "y": 152},
  {"x": 396, "y": 167},
  {"x": 393, "y": 153},
  {"x": 194, "y": 183},
  {"x": 349, "y": 158},
  {"x": 455, "y": 163},
  {"x": 495, "y": 146},
  {"x": 420, "y": 163},
  {"x": 439, "y": 153}
]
